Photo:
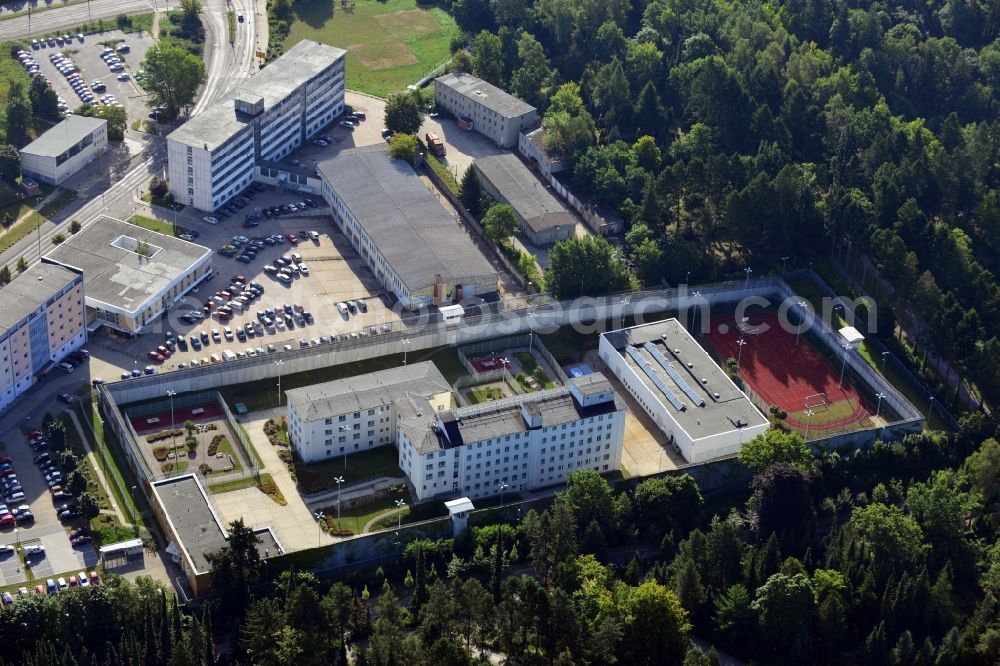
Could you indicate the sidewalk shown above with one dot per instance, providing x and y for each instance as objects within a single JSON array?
[
  {"x": 96, "y": 466},
  {"x": 354, "y": 491}
]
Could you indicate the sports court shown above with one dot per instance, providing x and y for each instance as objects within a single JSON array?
[
  {"x": 490, "y": 363},
  {"x": 795, "y": 377},
  {"x": 162, "y": 420}
]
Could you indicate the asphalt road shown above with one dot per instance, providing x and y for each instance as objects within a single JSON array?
[
  {"x": 228, "y": 64},
  {"x": 73, "y": 15}
]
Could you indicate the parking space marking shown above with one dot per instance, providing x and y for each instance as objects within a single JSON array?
[{"x": 11, "y": 571}]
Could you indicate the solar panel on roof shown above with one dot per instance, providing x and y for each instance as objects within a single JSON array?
[
  {"x": 674, "y": 375},
  {"x": 655, "y": 378}
]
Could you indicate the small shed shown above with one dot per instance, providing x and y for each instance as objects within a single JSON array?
[
  {"x": 459, "y": 510},
  {"x": 851, "y": 337}
]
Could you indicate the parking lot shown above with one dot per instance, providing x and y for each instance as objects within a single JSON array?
[
  {"x": 85, "y": 55},
  {"x": 46, "y": 529}
]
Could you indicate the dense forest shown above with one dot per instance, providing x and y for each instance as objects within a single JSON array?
[
  {"x": 735, "y": 134},
  {"x": 889, "y": 556}
]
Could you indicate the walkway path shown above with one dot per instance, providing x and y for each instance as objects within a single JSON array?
[
  {"x": 96, "y": 466},
  {"x": 354, "y": 491},
  {"x": 385, "y": 514}
]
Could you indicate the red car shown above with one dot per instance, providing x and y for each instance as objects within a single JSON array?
[
  {"x": 6, "y": 459},
  {"x": 292, "y": 238},
  {"x": 94, "y": 579},
  {"x": 7, "y": 520},
  {"x": 34, "y": 433},
  {"x": 156, "y": 356},
  {"x": 164, "y": 351},
  {"x": 8, "y": 472},
  {"x": 238, "y": 278}
]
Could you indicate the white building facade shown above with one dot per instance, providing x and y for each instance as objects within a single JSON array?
[
  {"x": 211, "y": 158},
  {"x": 65, "y": 149},
  {"x": 497, "y": 115},
  {"x": 517, "y": 444}
]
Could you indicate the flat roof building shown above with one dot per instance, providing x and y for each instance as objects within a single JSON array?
[
  {"x": 190, "y": 523},
  {"x": 543, "y": 218},
  {"x": 481, "y": 106},
  {"x": 41, "y": 322},
  {"x": 355, "y": 414},
  {"x": 413, "y": 245},
  {"x": 211, "y": 157},
  {"x": 531, "y": 144},
  {"x": 65, "y": 149},
  {"x": 682, "y": 389},
  {"x": 132, "y": 274},
  {"x": 525, "y": 442}
]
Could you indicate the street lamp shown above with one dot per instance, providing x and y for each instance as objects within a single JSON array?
[
  {"x": 843, "y": 367},
  {"x": 809, "y": 414},
  {"x": 173, "y": 431},
  {"x": 279, "y": 363},
  {"x": 885, "y": 355},
  {"x": 503, "y": 486},
  {"x": 784, "y": 261},
  {"x": 798, "y": 331},
  {"x": 399, "y": 518},
  {"x": 531, "y": 330},
  {"x": 624, "y": 303},
  {"x": 930, "y": 408},
  {"x": 319, "y": 516},
  {"x": 339, "y": 480},
  {"x": 132, "y": 509},
  {"x": 739, "y": 354},
  {"x": 406, "y": 344},
  {"x": 748, "y": 271},
  {"x": 879, "y": 405}
]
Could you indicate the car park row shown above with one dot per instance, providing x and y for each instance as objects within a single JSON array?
[{"x": 54, "y": 586}]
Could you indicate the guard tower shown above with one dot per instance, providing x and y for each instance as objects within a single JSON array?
[{"x": 459, "y": 510}]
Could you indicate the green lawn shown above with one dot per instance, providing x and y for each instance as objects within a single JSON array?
[
  {"x": 485, "y": 394},
  {"x": 382, "y": 461},
  {"x": 355, "y": 519},
  {"x": 109, "y": 464},
  {"x": 160, "y": 226},
  {"x": 390, "y": 44},
  {"x": 34, "y": 220},
  {"x": 229, "y": 486},
  {"x": 227, "y": 447}
]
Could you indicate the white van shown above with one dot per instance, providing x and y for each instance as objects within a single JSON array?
[
  {"x": 228, "y": 355},
  {"x": 342, "y": 309},
  {"x": 67, "y": 367}
]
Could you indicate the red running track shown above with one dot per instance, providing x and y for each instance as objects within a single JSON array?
[
  {"x": 781, "y": 372},
  {"x": 140, "y": 423}
]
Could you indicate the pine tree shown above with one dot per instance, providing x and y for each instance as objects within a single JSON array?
[
  {"x": 902, "y": 654},
  {"x": 420, "y": 583},
  {"x": 497, "y": 576},
  {"x": 166, "y": 644},
  {"x": 472, "y": 192},
  {"x": 209, "y": 640},
  {"x": 876, "y": 646},
  {"x": 149, "y": 637}
]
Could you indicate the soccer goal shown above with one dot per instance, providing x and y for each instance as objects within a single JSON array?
[{"x": 816, "y": 400}]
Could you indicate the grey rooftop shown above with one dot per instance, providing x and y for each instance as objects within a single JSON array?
[
  {"x": 120, "y": 277},
  {"x": 220, "y": 122},
  {"x": 485, "y": 94},
  {"x": 418, "y": 238},
  {"x": 60, "y": 138},
  {"x": 532, "y": 200},
  {"x": 192, "y": 517},
  {"x": 698, "y": 370},
  {"x": 30, "y": 290},
  {"x": 352, "y": 394}
]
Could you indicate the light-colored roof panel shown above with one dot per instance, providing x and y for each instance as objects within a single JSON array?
[
  {"x": 30, "y": 290},
  {"x": 411, "y": 228},
  {"x": 532, "y": 200},
  {"x": 68, "y": 133},
  {"x": 486, "y": 94},
  {"x": 117, "y": 276}
]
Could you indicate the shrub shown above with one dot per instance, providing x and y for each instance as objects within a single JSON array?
[
  {"x": 191, "y": 443},
  {"x": 213, "y": 446},
  {"x": 167, "y": 467},
  {"x": 270, "y": 488},
  {"x": 158, "y": 187},
  {"x": 160, "y": 452},
  {"x": 204, "y": 469},
  {"x": 285, "y": 456}
]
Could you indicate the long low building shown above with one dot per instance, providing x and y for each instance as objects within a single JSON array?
[
  {"x": 132, "y": 274},
  {"x": 212, "y": 157},
  {"x": 65, "y": 149},
  {"x": 682, "y": 389},
  {"x": 543, "y": 219},
  {"x": 356, "y": 414},
  {"x": 413, "y": 245},
  {"x": 41, "y": 322}
]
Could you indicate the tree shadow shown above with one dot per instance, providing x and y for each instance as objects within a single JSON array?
[{"x": 314, "y": 13}]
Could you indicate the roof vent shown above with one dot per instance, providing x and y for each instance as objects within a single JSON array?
[
  {"x": 690, "y": 365},
  {"x": 420, "y": 413},
  {"x": 677, "y": 351}
]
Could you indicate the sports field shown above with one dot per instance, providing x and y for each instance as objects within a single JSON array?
[
  {"x": 389, "y": 44},
  {"x": 795, "y": 377}
]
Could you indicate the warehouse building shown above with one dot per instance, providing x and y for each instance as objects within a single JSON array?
[
  {"x": 481, "y": 106},
  {"x": 515, "y": 444},
  {"x": 413, "y": 245},
  {"x": 687, "y": 395},
  {"x": 346, "y": 416},
  {"x": 65, "y": 149},
  {"x": 132, "y": 274},
  {"x": 212, "y": 156},
  {"x": 543, "y": 219},
  {"x": 41, "y": 322}
]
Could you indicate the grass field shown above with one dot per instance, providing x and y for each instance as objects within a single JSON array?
[
  {"x": 159, "y": 226},
  {"x": 381, "y": 461},
  {"x": 390, "y": 44}
]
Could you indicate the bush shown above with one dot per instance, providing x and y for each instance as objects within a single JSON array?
[
  {"x": 158, "y": 187},
  {"x": 191, "y": 443},
  {"x": 163, "y": 434},
  {"x": 167, "y": 467},
  {"x": 270, "y": 488},
  {"x": 204, "y": 469},
  {"x": 213, "y": 446},
  {"x": 160, "y": 452}
]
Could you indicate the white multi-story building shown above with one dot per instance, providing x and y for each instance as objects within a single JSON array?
[
  {"x": 65, "y": 149},
  {"x": 497, "y": 115},
  {"x": 682, "y": 389},
  {"x": 211, "y": 157},
  {"x": 41, "y": 322},
  {"x": 516, "y": 444},
  {"x": 356, "y": 414}
]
